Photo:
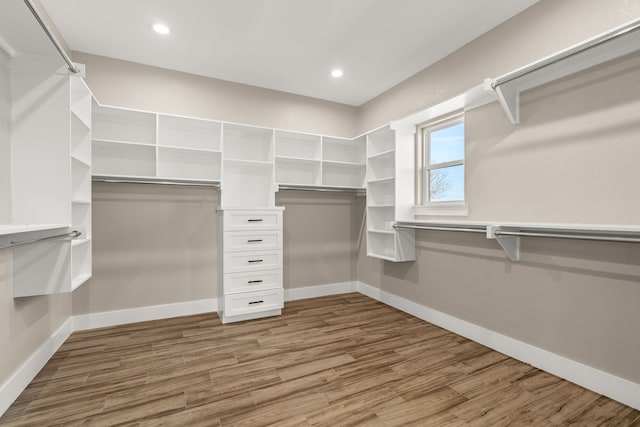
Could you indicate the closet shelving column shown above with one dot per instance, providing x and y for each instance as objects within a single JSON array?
[
  {"x": 343, "y": 162},
  {"x": 250, "y": 251},
  {"x": 124, "y": 143},
  {"x": 298, "y": 159},
  {"x": 386, "y": 196},
  {"x": 80, "y": 125}
]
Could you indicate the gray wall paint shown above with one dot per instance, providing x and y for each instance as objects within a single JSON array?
[
  {"x": 541, "y": 30},
  {"x": 127, "y": 84},
  {"x": 573, "y": 159},
  {"x": 157, "y": 244}
]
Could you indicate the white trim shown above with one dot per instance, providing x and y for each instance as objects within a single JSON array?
[
  {"x": 142, "y": 314},
  {"x": 12, "y": 387},
  {"x": 320, "y": 290},
  {"x": 591, "y": 378},
  {"x": 442, "y": 208}
]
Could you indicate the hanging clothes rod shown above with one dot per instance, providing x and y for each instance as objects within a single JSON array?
[
  {"x": 619, "y": 32},
  {"x": 148, "y": 181},
  {"x": 326, "y": 189},
  {"x": 575, "y": 236},
  {"x": 65, "y": 236},
  {"x": 53, "y": 39},
  {"x": 440, "y": 228}
]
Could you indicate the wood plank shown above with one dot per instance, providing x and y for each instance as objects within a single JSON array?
[{"x": 331, "y": 361}]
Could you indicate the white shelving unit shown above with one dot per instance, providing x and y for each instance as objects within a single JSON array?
[
  {"x": 343, "y": 162},
  {"x": 157, "y": 147},
  {"x": 298, "y": 159},
  {"x": 247, "y": 167},
  {"x": 51, "y": 117},
  {"x": 387, "y": 196}
]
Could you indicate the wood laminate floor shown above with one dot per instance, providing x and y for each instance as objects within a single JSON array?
[{"x": 332, "y": 361}]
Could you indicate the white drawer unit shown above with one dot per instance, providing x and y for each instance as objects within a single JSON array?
[
  {"x": 250, "y": 274},
  {"x": 246, "y": 219},
  {"x": 257, "y": 302},
  {"x": 253, "y": 281},
  {"x": 236, "y": 262},
  {"x": 235, "y": 241}
]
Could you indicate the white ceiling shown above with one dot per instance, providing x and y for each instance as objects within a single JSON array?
[{"x": 286, "y": 45}]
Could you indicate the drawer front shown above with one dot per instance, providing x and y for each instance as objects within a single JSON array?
[
  {"x": 253, "y": 302},
  {"x": 235, "y": 262},
  {"x": 252, "y": 240},
  {"x": 252, "y": 220},
  {"x": 253, "y": 281}
]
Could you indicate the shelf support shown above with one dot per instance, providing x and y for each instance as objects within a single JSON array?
[{"x": 510, "y": 244}]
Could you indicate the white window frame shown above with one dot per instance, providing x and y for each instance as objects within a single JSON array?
[{"x": 424, "y": 206}]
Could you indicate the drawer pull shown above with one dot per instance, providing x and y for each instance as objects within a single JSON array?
[
  {"x": 255, "y": 220},
  {"x": 256, "y": 302},
  {"x": 254, "y": 241},
  {"x": 254, "y": 281},
  {"x": 255, "y": 260}
]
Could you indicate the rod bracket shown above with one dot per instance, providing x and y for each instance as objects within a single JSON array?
[{"x": 510, "y": 244}]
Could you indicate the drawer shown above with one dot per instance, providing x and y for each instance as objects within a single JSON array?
[
  {"x": 252, "y": 281},
  {"x": 252, "y": 261},
  {"x": 253, "y": 302},
  {"x": 252, "y": 240},
  {"x": 252, "y": 220}
]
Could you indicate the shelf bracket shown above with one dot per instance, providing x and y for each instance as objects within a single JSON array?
[
  {"x": 509, "y": 98},
  {"x": 510, "y": 244}
]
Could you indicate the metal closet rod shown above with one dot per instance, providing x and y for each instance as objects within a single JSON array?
[
  {"x": 53, "y": 39},
  {"x": 568, "y": 234},
  {"x": 326, "y": 189},
  {"x": 135, "y": 181},
  {"x": 631, "y": 27},
  {"x": 70, "y": 235}
]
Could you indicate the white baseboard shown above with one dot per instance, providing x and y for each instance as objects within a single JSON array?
[
  {"x": 12, "y": 387},
  {"x": 143, "y": 314},
  {"x": 593, "y": 379},
  {"x": 588, "y": 377},
  {"x": 320, "y": 291}
]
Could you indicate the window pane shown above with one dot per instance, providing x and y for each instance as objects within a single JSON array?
[
  {"x": 446, "y": 184},
  {"x": 446, "y": 145}
]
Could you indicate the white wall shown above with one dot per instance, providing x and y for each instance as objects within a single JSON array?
[{"x": 5, "y": 143}]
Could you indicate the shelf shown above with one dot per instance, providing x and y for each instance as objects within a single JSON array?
[
  {"x": 119, "y": 124},
  {"x": 155, "y": 180},
  {"x": 189, "y": 164},
  {"x": 6, "y": 230},
  {"x": 607, "y": 46},
  {"x": 380, "y": 142},
  {"x": 297, "y": 145},
  {"x": 297, "y": 172},
  {"x": 247, "y": 143},
  {"x": 122, "y": 142},
  {"x": 381, "y": 206},
  {"x": 339, "y": 150},
  {"x": 81, "y": 201},
  {"x": 335, "y": 162},
  {"x": 197, "y": 150},
  {"x": 382, "y": 154},
  {"x": 79, "y": 242},
  {"x": 299, "y": 160},
  {"x": 389, "y": 179},
  {"x": 381, "y": 231},
  {"x": 123, "y": 159},
  {"x": 249, "y": 162},
  {"x": 81, "y": 161},
  {"x": 79, "y": 280},
  {"x": 342, "y": 175},
  {"x": 189, "y": 133}
]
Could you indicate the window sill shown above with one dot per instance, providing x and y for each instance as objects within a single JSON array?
[{"x": 443, "y": 209}]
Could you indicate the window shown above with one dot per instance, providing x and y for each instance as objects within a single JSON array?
[{"x": 442, "y": 170}]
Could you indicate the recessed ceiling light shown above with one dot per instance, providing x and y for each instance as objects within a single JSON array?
[
  {"x": 161, "y": 29},
  {"x": 336, "y": 73}
]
